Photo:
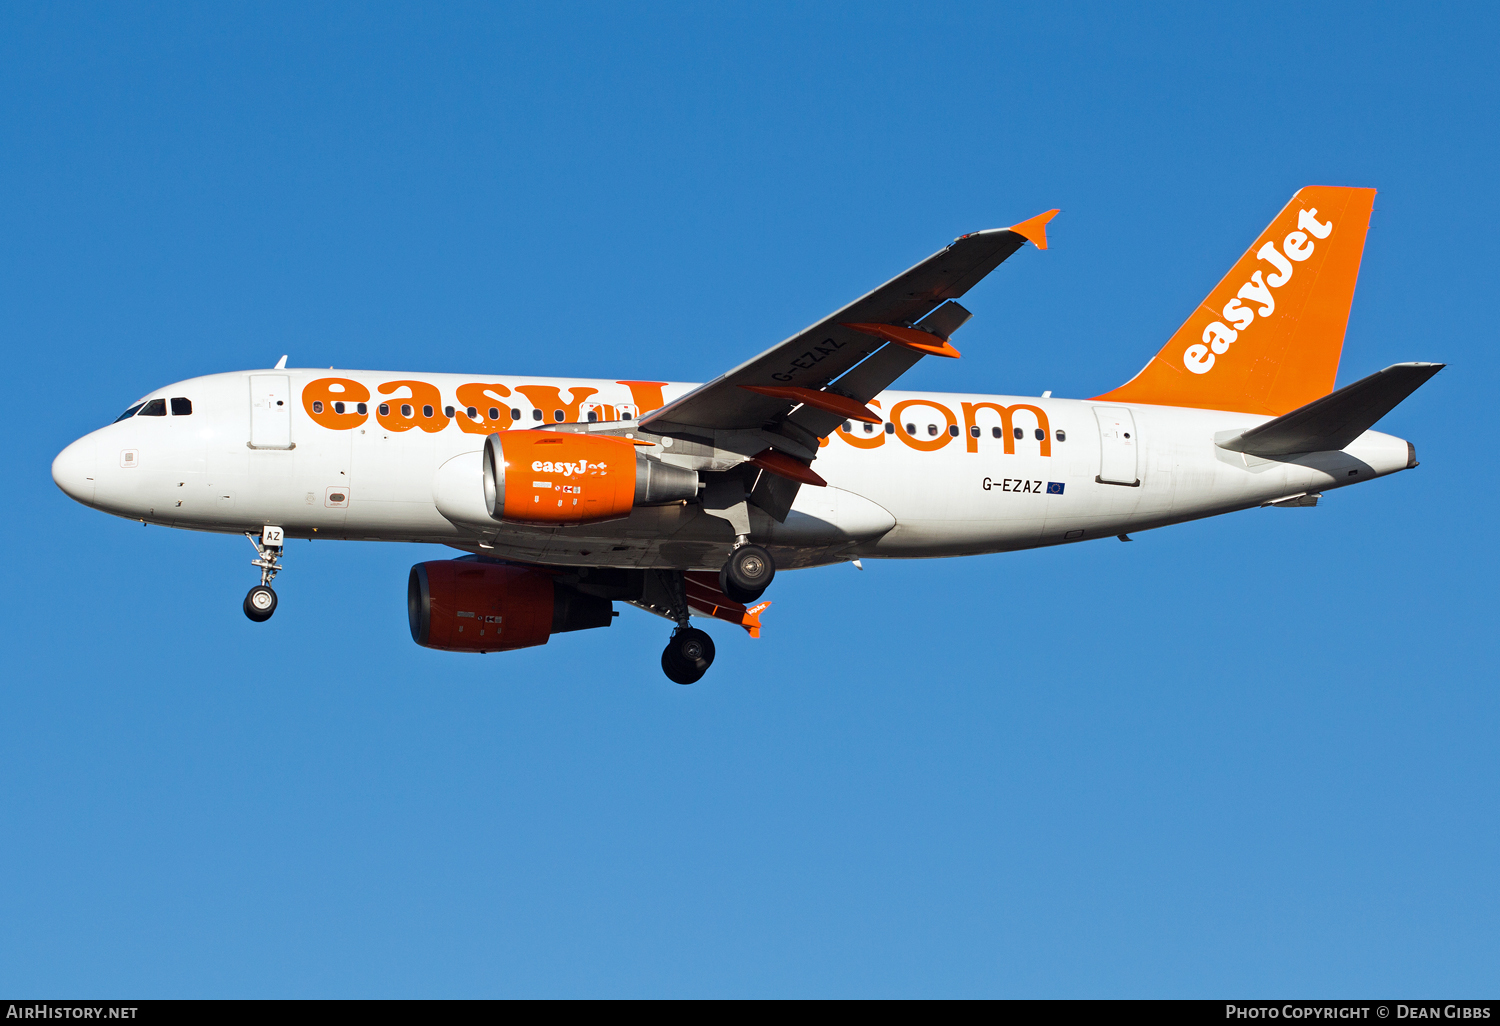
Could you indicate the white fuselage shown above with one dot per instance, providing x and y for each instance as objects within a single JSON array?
[{"x": 1102, "y": 470}]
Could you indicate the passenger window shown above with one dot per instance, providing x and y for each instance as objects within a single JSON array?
[
  {"x": 911, "y": 429},
  {"x": 995, "y": 432},
  {"x": 974, "y": 431},
  {"x": 890, "y": 428},
  {"x": 557, "y": 415},
  {"x": 155, "y": 408},
  {"x": 593, "y": 416},
  {"x": 1062, "y": 436},
  {"x": 474, "y": 413},
  {"x": 869, "y": 429},
  {"x": 514, "y": 414},
  {"x": 338, "y": 407},
  {"x": 361, "y": 409},
  {"x": 317, "y": 406},
  {"x": 447, "y": 411},
  {"x": 848, "y": 425},
  {"x": 406, "y": 410},
  {"x": 385, "y": 409},
  {"x": 129, "y": 413},
  {"x": 182, "y": 407},
  {"x": 536, "y": 414},
  {"x": 1020, "y": 433},
  {"x": 1041, "y": 436},
  {"x": 427, "y": 412},
  {"x": 953, "y": 430}
]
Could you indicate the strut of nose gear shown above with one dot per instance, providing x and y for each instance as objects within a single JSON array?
[{"x": 260, "y": 603}]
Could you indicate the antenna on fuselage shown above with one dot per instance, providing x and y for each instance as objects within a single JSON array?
[{"x": 281, "y": 363}]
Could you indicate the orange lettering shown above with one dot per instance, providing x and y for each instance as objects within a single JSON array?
[
  {"x": 645, "y": 394},
  {"x": 483, "y": 397},
  {"x": 324, "y": 398},
  {"x": 931, "y": 445},
  {"x": 549, "y": 400},
  {"x": 423, "y": 408},
  {"x": 1007, "y": 428},
  {"x": 874, "y": 441}
]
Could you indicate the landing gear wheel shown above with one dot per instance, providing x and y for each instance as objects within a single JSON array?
[
  {"x": 688, "y": 655},
  {"x": 260, "y": 603},
  {"x": 748, "y": 573}
]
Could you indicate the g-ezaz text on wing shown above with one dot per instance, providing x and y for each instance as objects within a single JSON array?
[{"x": 684, "y": 499}]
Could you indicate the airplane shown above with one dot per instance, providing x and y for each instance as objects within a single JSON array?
[{"x": 568, "y": 495}]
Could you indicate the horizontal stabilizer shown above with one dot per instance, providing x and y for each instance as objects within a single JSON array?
[{"x": 1332, "y": 422}]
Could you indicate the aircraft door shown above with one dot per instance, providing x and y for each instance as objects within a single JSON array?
[
  {"x": 270, "y": 411},
  {"x": 1118, "y": 446}
]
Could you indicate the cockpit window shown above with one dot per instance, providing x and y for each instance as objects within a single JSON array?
[
  {"x": 130, "y": 412},
  {"x": 184, "y": 407},
  {"x": 155, "y": 408}
]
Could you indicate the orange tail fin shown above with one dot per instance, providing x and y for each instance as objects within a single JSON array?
[{"x": 1268, "y": 337}]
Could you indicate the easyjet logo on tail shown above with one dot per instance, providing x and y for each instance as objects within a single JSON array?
[{"x": 1296, "y": 247}]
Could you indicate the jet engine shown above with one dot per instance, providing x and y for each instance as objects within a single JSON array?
[
  {"x": 554, "y": 477},
  {"x": 463, "y": 605}
]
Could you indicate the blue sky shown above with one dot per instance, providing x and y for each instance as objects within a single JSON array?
[{"x": 1251, "y": 756}]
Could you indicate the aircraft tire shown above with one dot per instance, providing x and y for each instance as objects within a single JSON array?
[
  {"x": 747, "y": 574},
  {"x": 260, "y": 603},
  {"x": 688, "y": 655}
]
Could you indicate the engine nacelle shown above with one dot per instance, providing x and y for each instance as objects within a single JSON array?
[
  {"x": 554, "y": 477},
  {"x": 462, "y": 605}
]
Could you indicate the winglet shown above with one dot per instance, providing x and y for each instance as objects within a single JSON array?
[
  {"x": 1034, "y": 230},
  {"x": 751, "y": 620},
  {"x": 704, "y": 597}
]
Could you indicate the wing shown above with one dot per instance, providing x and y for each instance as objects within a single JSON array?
[{"x": 826, "y": 373}]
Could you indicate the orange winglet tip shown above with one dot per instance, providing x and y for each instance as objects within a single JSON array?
[
  {"x": 751, "y": 618},
  {"x": 1034, "y": 231},
  {"x": 830, "y": 402},
  {"x": 704, "y": 597},
  {"x": 911, "y": 338},
  {"x": 782, "y": 465}
]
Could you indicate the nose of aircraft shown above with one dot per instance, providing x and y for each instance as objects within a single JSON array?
[{"x": 74, "y": 470}]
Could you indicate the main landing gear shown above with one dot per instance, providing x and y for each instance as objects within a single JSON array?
[
  {"x": 748, "y": 572},
  {"x": 260, "y": 603},
  {"x": 690, "y": 652},
  {"x": 688, "y": 655}
]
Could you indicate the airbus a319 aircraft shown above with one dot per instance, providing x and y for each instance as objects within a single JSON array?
[{"x": 572, "y": 494}]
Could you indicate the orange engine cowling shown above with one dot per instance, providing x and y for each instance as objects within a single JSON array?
[
  {"x": 462, "y": 605},
  {"x": 554, "y": 477}
]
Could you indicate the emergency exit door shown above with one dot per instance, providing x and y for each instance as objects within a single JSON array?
[
  {"x": 270, "y": 411},
  {"x": 1117, "y": 446}
]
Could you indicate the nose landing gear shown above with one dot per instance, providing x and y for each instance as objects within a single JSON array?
[{"x": 260, "y": 603}]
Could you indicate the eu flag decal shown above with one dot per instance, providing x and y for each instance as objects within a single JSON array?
[{"x": 1054, "y": 487}]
